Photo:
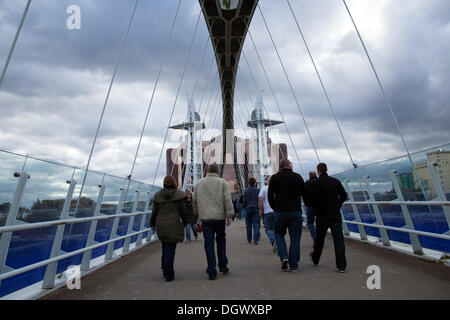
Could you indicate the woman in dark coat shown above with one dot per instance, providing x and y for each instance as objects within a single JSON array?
[{"x": 169, "y": 217}]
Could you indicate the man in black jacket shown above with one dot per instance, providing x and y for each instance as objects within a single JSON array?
[
  {"x": 285, "y": 191},
  {"x": 327, "y": 196}
]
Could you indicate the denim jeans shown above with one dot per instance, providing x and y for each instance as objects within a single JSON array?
[
  {"x": 269, "y": 223},
  {"x": 188, "y": 231},
  {"x": 211, "y": 229},
  {"x": 253, "y": 221},
  {"x": 243, "y": 213},
  {"x": 168, "y": 259},
  {"x": 291, "y": 221},
  {"x": 310, "y": 215}
]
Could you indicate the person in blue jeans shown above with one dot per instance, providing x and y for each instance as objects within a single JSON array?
[
  {"x": 268, "y": 215},
  {"x": 190, "y": 226},
  {"x": 252, "y": 218},
  {"x": 286, "y": 188},
  {"x": 213, "y": 206},
  {"x": 310, "y": 213}
]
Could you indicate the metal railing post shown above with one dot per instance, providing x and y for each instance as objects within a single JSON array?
[
  {"x": 344, "y": 224},
  {"x": 383, "y": 233},
  {"x": 440, "y": 193},
  {"x": 417, "y": 247},
  {"x": 144, "y": 218},
  {"x": 50, "y": 272},
  {"x": 85, "y": 261},
  {"x": 5, "y": 237},
  {"x": 362, "y": 231},
  {"x": 110, "y": 247},
  {"x": 150, "y": 233},
  {"x": 126, "y": 244}
]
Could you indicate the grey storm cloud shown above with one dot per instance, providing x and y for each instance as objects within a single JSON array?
[{"x": 58, "y": 79}]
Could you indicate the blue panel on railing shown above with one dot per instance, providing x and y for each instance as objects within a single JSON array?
[
  {"x": 136, "y": 226},
  {"x": 367, "y": 216},
  {"x": 434, "y": 222},
  {"x": 350, "y": 216},
  {"x": 102, "y": 234},
  {"x": 75, "y": 237},
  {"x": 121, "y": 231},
  {"x": 393, "y": 216},
  {"x": 27, "y": 247}
]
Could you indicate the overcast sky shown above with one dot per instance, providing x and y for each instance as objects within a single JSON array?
[{"x": 58, "y": 79}]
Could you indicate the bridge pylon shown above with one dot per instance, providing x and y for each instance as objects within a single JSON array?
[{"x": 194, "y": 147}]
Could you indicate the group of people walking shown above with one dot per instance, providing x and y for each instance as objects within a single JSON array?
[
  {"x": 211, "y": 204},
  {"x": 278, "y": 203}
]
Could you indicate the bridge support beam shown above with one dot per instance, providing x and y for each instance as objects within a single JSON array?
[{"x": 227, "y": 24}]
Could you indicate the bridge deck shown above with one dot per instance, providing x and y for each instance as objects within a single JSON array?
[{"x": 255, "y": 274}]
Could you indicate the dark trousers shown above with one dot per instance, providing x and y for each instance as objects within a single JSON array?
[
  {"x": 211, "y": 229},
  {"x": 335, "y": 224},
  {"x": 167, "y": 259}
]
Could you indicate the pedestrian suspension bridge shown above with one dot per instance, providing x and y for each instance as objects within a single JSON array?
[{"x": 95, "y": 243}]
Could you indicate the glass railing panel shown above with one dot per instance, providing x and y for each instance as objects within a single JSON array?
[
  {"x": 46, "y": 190},
  {"x": 109, "y": 207},
  {"x": 9, "y": 164}
]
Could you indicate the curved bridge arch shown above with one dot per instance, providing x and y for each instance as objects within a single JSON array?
[{"x": 228, "y": 27}]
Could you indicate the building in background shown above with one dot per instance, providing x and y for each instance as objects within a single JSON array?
[
  {"x": 441, "y": 159},
  {"x": 246, "y": 168}
]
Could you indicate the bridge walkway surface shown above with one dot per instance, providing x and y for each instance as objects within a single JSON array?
[{"x": 255, "y": 274}]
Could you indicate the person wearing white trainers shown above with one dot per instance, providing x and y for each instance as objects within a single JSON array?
[{"x": 267, "y": 214}]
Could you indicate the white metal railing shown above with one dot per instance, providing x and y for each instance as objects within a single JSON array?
[
  {"x": 409, "y": 225},
  {"x": 13, "y": 225}
]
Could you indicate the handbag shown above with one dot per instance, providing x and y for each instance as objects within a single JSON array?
[{"x": 199, "y": 227}]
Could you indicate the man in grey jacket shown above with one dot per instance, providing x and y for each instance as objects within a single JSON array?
[{"x": 213, "y": 206}]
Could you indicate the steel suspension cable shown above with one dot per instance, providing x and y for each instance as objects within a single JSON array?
[
  {"x": 200, "y": 67},
  {"x": 244, "y": 132},
  {"x": 163, "y": 59},
  {"x": 13, "y": 46},
  {"x": 353, "y": 165},
  {"x": 290, "y": 84},
  {"x": 122, "y": 48},
  {"x": 209, "y": 76},
  {"x": 386, "y": 98},
  {"x": 276, "y": 100},
  {"x": 176, "y": 98}
]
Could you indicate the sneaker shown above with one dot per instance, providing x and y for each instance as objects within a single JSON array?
[
  {"x": 341, "y": 270},
  {"x": 284, "y": 264},
  {"x": 294, "y": 270},
  {"x": 256, "y": 243},
  {"x": 212, "y": 277}
]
